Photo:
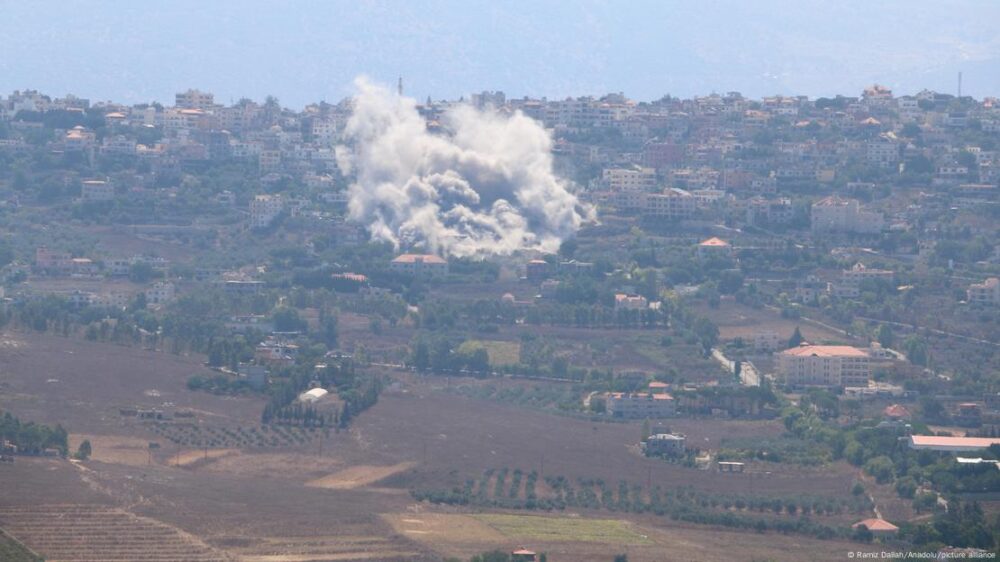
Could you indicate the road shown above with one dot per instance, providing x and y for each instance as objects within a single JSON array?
[{"x": 748, "y": 373}]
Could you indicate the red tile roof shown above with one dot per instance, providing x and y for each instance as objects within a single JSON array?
[{"x": 874, "y": 524}]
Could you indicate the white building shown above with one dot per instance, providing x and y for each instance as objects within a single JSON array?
[
  {"x": 96, "y": 190},
  {"x": 420, "y": 265},
  {"x": 630, "y": 179},
  {"x": 673, "y": 203},
  {"x": 836, "y": 214},
  {"x": 630, "y": 302},
  {"x": 824, "y": 366},
  {"x": 664, "y": 444}
]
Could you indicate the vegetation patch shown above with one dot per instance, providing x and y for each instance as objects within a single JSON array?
[{"x": 564, "y": 529}]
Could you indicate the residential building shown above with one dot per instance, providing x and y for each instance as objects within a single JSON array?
[
  {"x": 640, "y": 405},
  {"x": 538, "y": 270},
  {"x": 630, "y": 302},
  {"x": 837, "y": 214},
  {"x": 714, "y": 247},
  {"x": 264, "y": 209},
  {"x": 766, "y": 341},
  {"x": 987, "y": 292},
  {"x": 879, "y": 528},
  {"x": 630, "y": 179},
  {"x": 849, "y": 284},
  {"x": 194, "y": 99},
  {"x": 96, "y": 191},
  {"x": 420, "y": 265},
  {"x": 666, "y": 444},
  {"x": 673, "y": 203},
  {"x": 826, "y": 366},
  {"x": 161, "y": 292}
]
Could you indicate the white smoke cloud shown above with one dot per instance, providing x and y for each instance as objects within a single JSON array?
[{"x": 486, "y": 186}]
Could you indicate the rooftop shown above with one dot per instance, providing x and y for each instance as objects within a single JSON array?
[
  {"x": 714, "y": 242},
  {"x": 941, "y": 441},
  {"x": 874, "y": 524},
  {"x": 825, "y": 351}
]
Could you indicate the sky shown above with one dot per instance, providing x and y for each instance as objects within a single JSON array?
[{"x": 304, "y": 51}]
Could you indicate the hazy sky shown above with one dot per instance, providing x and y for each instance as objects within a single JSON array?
[{"x": 303, "y": 51}]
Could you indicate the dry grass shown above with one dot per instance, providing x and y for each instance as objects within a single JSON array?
[
  {"x": 565, "y": 529},
  {"x": 114, "y": 449},
  {"x": 190, "y": 457},
  {"x": 444, "y": 527},
  {"x": 358, "y": 476}
]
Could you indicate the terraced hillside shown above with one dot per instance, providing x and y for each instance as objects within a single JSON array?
[{"x": 81, "y": 533}]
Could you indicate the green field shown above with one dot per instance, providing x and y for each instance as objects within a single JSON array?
[
  {"x": 564, "y": 529},
  {"x": 13, "y": 551},
  {"x": 500, "y": 352}
]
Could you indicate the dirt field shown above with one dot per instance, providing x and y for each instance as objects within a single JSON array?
[
  {"x": 358, "y": 476},
  {"x": 253, "y": 504},
  {"x": 81, "y": 384},
  {"x": 114, "y": 449},
  {"x": 191, "y": 457},
  {"x": 576, "y": 538},
  {"x": 736, "y": 320}
]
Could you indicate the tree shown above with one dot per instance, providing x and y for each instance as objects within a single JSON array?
[
  {"x": 84, "y": 451},
  {"x": 916, "y": 350},
  {"x": 421, "y": 356},
  {"x": 287, "y": 320},
  {"x": 645, "y": 431},
  {"x": 880, "y": 467},
  {"x": 621, "y": 558},
  {"x": 140, "y": 272},
  {"x": 796, "y": 338},
  {"x": 862, "y": 534},
  {"x": 885, "y": 335}
]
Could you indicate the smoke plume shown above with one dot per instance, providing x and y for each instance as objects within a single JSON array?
[{"x": 484, "y": 185}]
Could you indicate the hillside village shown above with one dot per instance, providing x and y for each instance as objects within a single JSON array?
[{"x": 772, "y": 292}]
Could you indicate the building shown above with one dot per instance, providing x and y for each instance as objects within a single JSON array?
[
  {"x": 420, "y": 265},
  {"x": 673, "y": 203},
  {"x": 987, "y": 292},
  {"x": 667, "y": 444},
  {"x": 194, "y": 99},
  {"x": 630, "y": 179},
  {"x": 160, "y": 292},
  {"x": 951, "y": 444},
  {"x": 879, "y": 528},
  {"x": 766, "y": 341},
  {"x": 538, "y": 270},
  {"x": 714, "y": 247},
  {"x": 849, "y": 284},
  {"x": 313, "y": 395},
  {"x": 264, "y": 209},
  {"x": 630, "y": 302},
  {"x": 837, "y": 214},
  {"x": 522, "y": 554},
  {"x": 50, "y": 261},
  {"x": 825, "y": 366},
  {"x": 640, "y": 405},
  {"x": 96, "y": 191}
]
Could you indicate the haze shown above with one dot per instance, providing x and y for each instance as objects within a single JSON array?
[{"x": 307, "y": 51}]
